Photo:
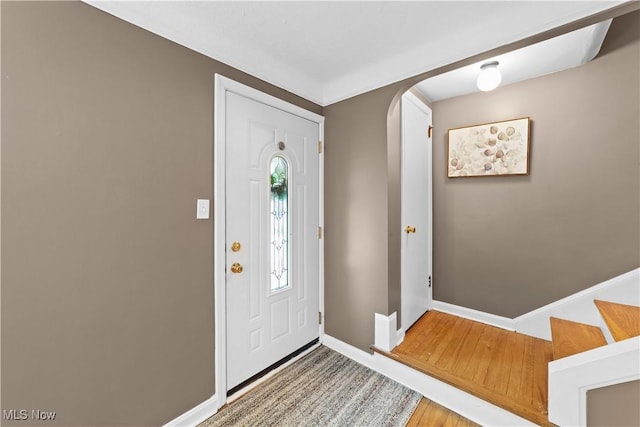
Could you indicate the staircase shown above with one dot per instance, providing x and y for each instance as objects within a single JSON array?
[
  {"x": 584, "y": 359},
  {"x": 508, "y": 369},
  {"x": 569, "y": 338}
]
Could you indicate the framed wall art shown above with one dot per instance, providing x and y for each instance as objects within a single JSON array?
[{"x": 492, "y": 149}]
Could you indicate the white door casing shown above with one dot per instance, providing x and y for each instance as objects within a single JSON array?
[
  {"x": 256, "y": 327},
  {"x": 416, "y": 210}
]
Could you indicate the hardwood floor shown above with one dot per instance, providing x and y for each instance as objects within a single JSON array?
[
  {"x": 505, "y": 368},
  {"x": 431, "y": 414}
]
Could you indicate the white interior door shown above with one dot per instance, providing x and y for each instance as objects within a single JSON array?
[
  {"x": 416, "y": 211},
  {"x": 272, "y": 251}
]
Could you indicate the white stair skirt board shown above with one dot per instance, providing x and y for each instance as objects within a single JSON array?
[
  {"x": 579, "y": 307},
  {"x": 471, "y": 314},
  {"x": 196, "y": 415},
  {"x": 386, "y": 335},
  {"x": 571, "y": 377},
  {"x": 470, "y": 407}
]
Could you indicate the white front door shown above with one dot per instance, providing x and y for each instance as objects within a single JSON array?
[
  {"x": 415, "y": 210},
  {"x": 272, "y": 250}
]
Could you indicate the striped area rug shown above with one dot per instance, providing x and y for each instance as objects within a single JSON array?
[{"x": 324, "y": 388}]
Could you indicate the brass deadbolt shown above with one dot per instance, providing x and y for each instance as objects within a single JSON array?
[
  {"x": 236, "y": 268},
  {"x": 235, "y": 247},
  {"x": 410, "y": 229}
]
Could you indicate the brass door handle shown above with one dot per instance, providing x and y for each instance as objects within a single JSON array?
[
  {"x": 410, "y": 229},
  {"x": 236, "y": 268}
]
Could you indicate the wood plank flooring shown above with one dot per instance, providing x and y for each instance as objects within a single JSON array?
[
  {"x": 502, "y": 367},
  {"x": 429, "y": 413}
]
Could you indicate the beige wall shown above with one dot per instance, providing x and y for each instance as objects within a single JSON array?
[
  {"x": 508, "y": 245},
  {"x": 107, "y": 281},
  {"x": 356, "y": 217},
  {"x": 107, "y": 277},
  {"x": 614, "y": 406},
  {"x": 577, "y": 220}
]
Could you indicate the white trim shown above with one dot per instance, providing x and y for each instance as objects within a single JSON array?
[
  {"x": 571, "y": 377},
  {"x": 468, "y": 406},
  {"x": 196, "y": 415},
  {"x": 399, "y": 336},
  {"x": 579, "y": 307},
  {"x": 321, "y": 221},
  {"x": 223, "y": 85},
  {"x": 409, "y": 95},
  {"x": 219, "y": 227},
  {"x": 385, "y": 336},
  {"x": 478, "y": 316}
]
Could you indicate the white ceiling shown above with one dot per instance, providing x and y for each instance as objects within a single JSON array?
[
  {"x": 560, "y": 53},
  {"x": 326, "y": 51}
]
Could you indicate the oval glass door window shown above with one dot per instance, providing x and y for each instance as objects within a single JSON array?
[{"x": 279, "y": 212}]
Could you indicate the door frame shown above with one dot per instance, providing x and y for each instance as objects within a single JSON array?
[
  {"x": 409, "y": 96},
  {"x": 222, "y": 86}
]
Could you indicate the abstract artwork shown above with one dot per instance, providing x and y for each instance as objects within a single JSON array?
[{"x": 499, "y": 148}]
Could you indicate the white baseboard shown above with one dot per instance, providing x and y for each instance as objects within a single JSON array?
[
  {"x": 471, "y": 314},
  {"x": 468, "y": 406},
  {"x": 579, "y": 307},
  {"x": 196, "y": 415}
]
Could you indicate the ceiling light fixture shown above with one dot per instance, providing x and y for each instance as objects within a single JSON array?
[{"x": 490, "y": 77}]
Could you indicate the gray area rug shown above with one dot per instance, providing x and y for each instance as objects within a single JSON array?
[{"x": 324, "y": 388}]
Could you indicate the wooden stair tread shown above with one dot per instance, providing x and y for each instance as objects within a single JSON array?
[
  {"x": 502, "y": 367},
  {"x": 502, "y": 401},
  {"x": 622, "y": 320},
  {"x": 569, "y": 338}
]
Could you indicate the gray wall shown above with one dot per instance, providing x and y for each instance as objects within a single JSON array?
[
  {"x": 614, "y": 406},
  {"x": 576, "y": 215},
  {"x": 356, "y": 273},
  {"x": 107, "y": 277},
  {"x": 508, "y": 245},
  {"x": 107, "y": 281}
]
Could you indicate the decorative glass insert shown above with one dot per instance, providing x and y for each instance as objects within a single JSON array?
[{"x": 279, "y": 213}]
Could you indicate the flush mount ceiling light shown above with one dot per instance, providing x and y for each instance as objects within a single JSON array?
[{"x": 490, "y": 77}]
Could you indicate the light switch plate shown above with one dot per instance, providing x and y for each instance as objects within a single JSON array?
[{"x": 202, "y": 209}]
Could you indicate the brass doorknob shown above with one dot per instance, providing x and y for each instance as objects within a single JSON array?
[
  {"x": 236, "y": 268},
  {"x": 410, "y": 229}
]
